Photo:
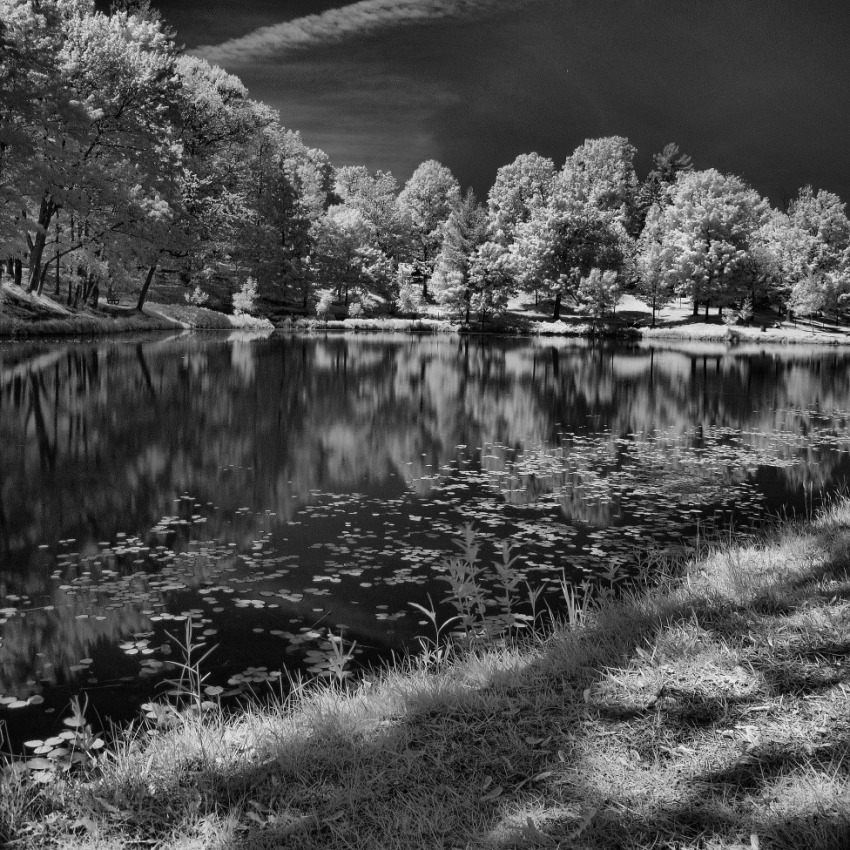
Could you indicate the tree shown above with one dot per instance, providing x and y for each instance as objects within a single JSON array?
[
  {"x": 426, "y": 201},
  {"x": 245, "y": 300},
  {"x": 667, "y": 165},
  {"x": 782, "y": 252},
  {"x": 599, "y": 292},
  {"x": 120, "y": 67},
  {"x": 822, "y": 215},
  {"x": 409, "y": 296},
  {"x": 600, "y": 173},
  {"x": 652, "y": 264},
  {"x": 375, "y": 198},
  {"x": 340, "y": 238},
  {"x": 490, "y": 281},
  {"x": 518, "y": 188},
  {"x": 706, "y": 232},
  {"x": 465, "y": 230},
  {"x": 561, "y": 243}
]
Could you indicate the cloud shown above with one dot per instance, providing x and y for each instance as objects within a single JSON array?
[{"x": 337, "y": 25}]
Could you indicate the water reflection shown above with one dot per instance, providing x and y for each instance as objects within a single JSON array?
[{"x": 269, "y": 488}]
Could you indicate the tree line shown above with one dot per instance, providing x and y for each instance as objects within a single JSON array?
[{"x": 121, "y": 157}]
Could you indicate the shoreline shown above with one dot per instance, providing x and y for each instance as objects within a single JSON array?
[
  {"x": 156, "y": 319},
  {"x": 706, "y": 705},
  {"x": 24, "y": 315},
  {"x": 160, "y": 318}
]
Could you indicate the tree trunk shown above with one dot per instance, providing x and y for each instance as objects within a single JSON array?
[
  {"x": 19, "y": 273},
  {"x": 653, "y": 313},
  {"x": 696, "y": 307},
  {"x": 145, "y": 287},
  {"x": 557, "y": 312},
  {"x": 45, "y": 214},
  {"x": 42, "y": 277},
  {"x": 56, "y": 287},
  {"x": 706, "y": 309}
]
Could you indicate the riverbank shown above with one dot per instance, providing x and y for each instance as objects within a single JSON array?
[
  {"x": 690, "y": 332},
  {"x": 707, "y": 708},
  {"x": 23, "y": 314}
]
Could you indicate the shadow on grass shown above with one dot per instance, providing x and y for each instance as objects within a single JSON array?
[{"x": 523, "y": 757}]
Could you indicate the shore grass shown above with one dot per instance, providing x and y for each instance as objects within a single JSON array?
[
  {"x": 24, "y": 314},
  {"x": 707, "y": 706}
]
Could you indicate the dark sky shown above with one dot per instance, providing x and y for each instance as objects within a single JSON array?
[{"x": 760, "y": 88}]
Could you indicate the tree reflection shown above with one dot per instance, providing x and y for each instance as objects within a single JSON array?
[{"x": 106, "y": 438}]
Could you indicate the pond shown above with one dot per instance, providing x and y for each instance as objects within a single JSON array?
[{"x": 275, "y": 491}]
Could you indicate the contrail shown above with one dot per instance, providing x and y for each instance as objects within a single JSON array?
[{"x": 336, "y": 25}]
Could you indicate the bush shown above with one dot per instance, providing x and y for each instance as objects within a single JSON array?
[
  {"x": 355, "y": 310},
  {"x": 245, "y": 300},
  {"x": 323, "y": 308},
  {"x": 409, "y": 298},
  {"x": 197, "y": 298}
]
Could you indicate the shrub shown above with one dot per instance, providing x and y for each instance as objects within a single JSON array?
[
  {"x": 355, "y": 310},
  {"x": 245, "y": 300},
  {"x": 323, "y": 308},
  {"x": 197, "y": 298}
]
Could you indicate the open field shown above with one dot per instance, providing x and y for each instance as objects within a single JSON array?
[{"x": 708, "y": 706}]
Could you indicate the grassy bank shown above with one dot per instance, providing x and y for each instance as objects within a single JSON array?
[
  {"x": 23, "y": 314},
  {"x": 708, "y": 707},
  {"x": 387, "y": 325}
]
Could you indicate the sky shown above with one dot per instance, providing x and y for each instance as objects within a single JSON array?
[{"x": 760, "y": 88}]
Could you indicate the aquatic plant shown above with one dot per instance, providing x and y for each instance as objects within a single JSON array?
[{"x": 77, "y": 746}]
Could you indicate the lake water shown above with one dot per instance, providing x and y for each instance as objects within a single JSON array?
[{"x": 270, "y": 490}]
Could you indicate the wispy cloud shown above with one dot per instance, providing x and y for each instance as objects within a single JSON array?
[{"x": 337, "y": 25}]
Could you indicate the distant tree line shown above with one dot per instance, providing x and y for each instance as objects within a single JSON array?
[{"x": 120, "y": 157}]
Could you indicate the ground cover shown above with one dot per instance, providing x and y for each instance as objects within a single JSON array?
[
  {"x": 708, "y": 706},
  {"x": 24, "y": 314}
]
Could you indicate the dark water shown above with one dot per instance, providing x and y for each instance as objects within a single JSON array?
[{"x": 268, "y": 490}]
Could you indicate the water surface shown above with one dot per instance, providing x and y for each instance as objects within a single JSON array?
[{"x": 270, "y": 490}]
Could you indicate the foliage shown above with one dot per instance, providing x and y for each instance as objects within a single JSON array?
[
  {"x": 561, "y": 243},
  {"x": 599, "y": 292},
  {"x": 706, "y": 233},
  {"x": 120, "y": 158},
  {"x": 653, "y": 192},
  {"x": 486, "y": 602},
  {"x": 426, "y": 202},
  {"x": 197, "y": 297},
  {"x": 324, "y": 307},
  {"x": 600, "y": 173},
  {"x": 653, "y": 279},
  {"x": 245, "y": 300},
  {"x": 409, "y": 296},
  {"x": 464, "y": 232},
  {"x": 518, "y": 188}
]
